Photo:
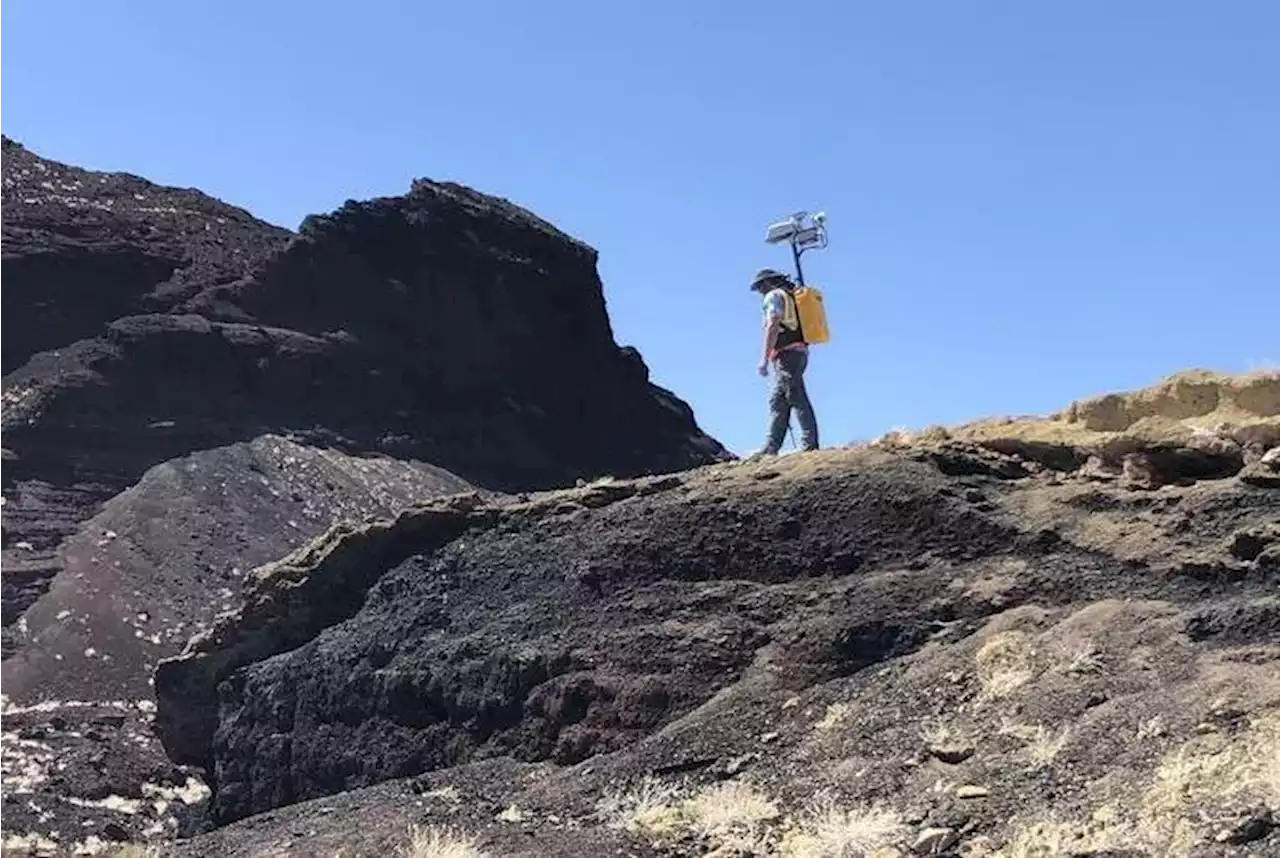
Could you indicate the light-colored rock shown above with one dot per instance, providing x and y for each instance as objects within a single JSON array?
[
  {"x": 1209, "y": 415},
  {"x": 1271, "y": 459},
  {"x": 934, "y": 841},
  {"x": 1140, "y": 472},
  {"x": 1212, "y": 444},
  {"x": 1097, "y": 468},
  {"x": 1264, "y": 476},
  {"x": 979, "y": 847}
]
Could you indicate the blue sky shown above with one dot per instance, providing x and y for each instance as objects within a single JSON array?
[{"x": 1028, "y": 202}]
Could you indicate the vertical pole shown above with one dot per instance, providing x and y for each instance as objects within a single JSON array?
[{"x": 795, "y": 254}]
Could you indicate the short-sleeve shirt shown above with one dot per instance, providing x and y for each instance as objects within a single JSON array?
[{"x": 774, "y": 304}]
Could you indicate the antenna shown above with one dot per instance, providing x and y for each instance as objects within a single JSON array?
[{"x": 803, "y": 231}]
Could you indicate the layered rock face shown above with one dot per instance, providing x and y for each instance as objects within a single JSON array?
[
  {"x": 1192, "y": 425},
  {"x": 443, "y": 325}
]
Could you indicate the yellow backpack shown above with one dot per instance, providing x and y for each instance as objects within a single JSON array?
[{"x": 812, "y": 314}]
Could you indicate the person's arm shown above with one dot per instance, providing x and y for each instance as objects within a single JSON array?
[{"x": 773, "y": 319}]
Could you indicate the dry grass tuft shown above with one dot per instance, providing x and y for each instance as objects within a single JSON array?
[
  {"x": 1106, "y": 832},
  {"x": 829, "y": 831},
  {"x": 733, "y": 807},
  {"x": 730, "y": 818},
  {"x": 652, "y": 808},
  {"x": 1080, "y": 658},
  {"x": 1006, "y": 662},
  {"x": 937, "y": 733},
  {"x": 1207, "y": 771},
  {"x": 1198, "y": 782},
  {"x": 1043, "y": 744},
  {"x": 735, "y": 818},
  {"x": 1052, "y": 837},
  {"x": 835, "y": 715},
  {"x": 134, "y": 850},
  {"x": 432, "y": 842}
]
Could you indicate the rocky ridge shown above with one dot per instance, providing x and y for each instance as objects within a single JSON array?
[{"x": 971, "y": 643}]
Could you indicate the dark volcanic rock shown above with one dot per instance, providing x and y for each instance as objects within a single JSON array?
[
  {"x": 82, "y": 248},
  {"x": 574, "y": 669},
  {"x": 163, "y": 558},
  {"x": 376, "y": 821},
  {"x": 254, "y": 386},
  {"x": 90, "y": 770},
  {"x": 444, "y": 325},
  {"x": 548, "y": 636},
  {"x": 155, "y": 566}
]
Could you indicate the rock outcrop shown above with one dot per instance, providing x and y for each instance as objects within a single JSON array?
[
  {"x": 190, "y": 392},
  {"x": 444, "y": 326},
  {"x": 327, "y": 456},
  {"x": 583, "y": 650},
  {"x": 1192, "y": 425},
  {"x": 917, "y": 644}
]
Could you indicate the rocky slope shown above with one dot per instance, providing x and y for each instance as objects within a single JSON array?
[
  {"x": 190, "y": 392},
  {"x": 164, "y": 556},
  {"x": 970, "y": 642}
]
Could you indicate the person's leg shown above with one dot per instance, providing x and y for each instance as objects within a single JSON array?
[
  {"x": 779, "y": 409},
  {"x": 799, "y": 397}
]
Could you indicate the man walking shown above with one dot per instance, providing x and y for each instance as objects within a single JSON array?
[{"x": 785, "y": 347}]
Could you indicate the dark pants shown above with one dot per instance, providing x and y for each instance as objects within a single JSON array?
[{"x": 788, "y": 392}]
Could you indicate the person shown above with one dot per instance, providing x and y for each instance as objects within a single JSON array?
[{"x": 784, "y": 346}]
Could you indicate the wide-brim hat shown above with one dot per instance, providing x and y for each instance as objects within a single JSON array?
[{"x": 766, "y": 275}]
